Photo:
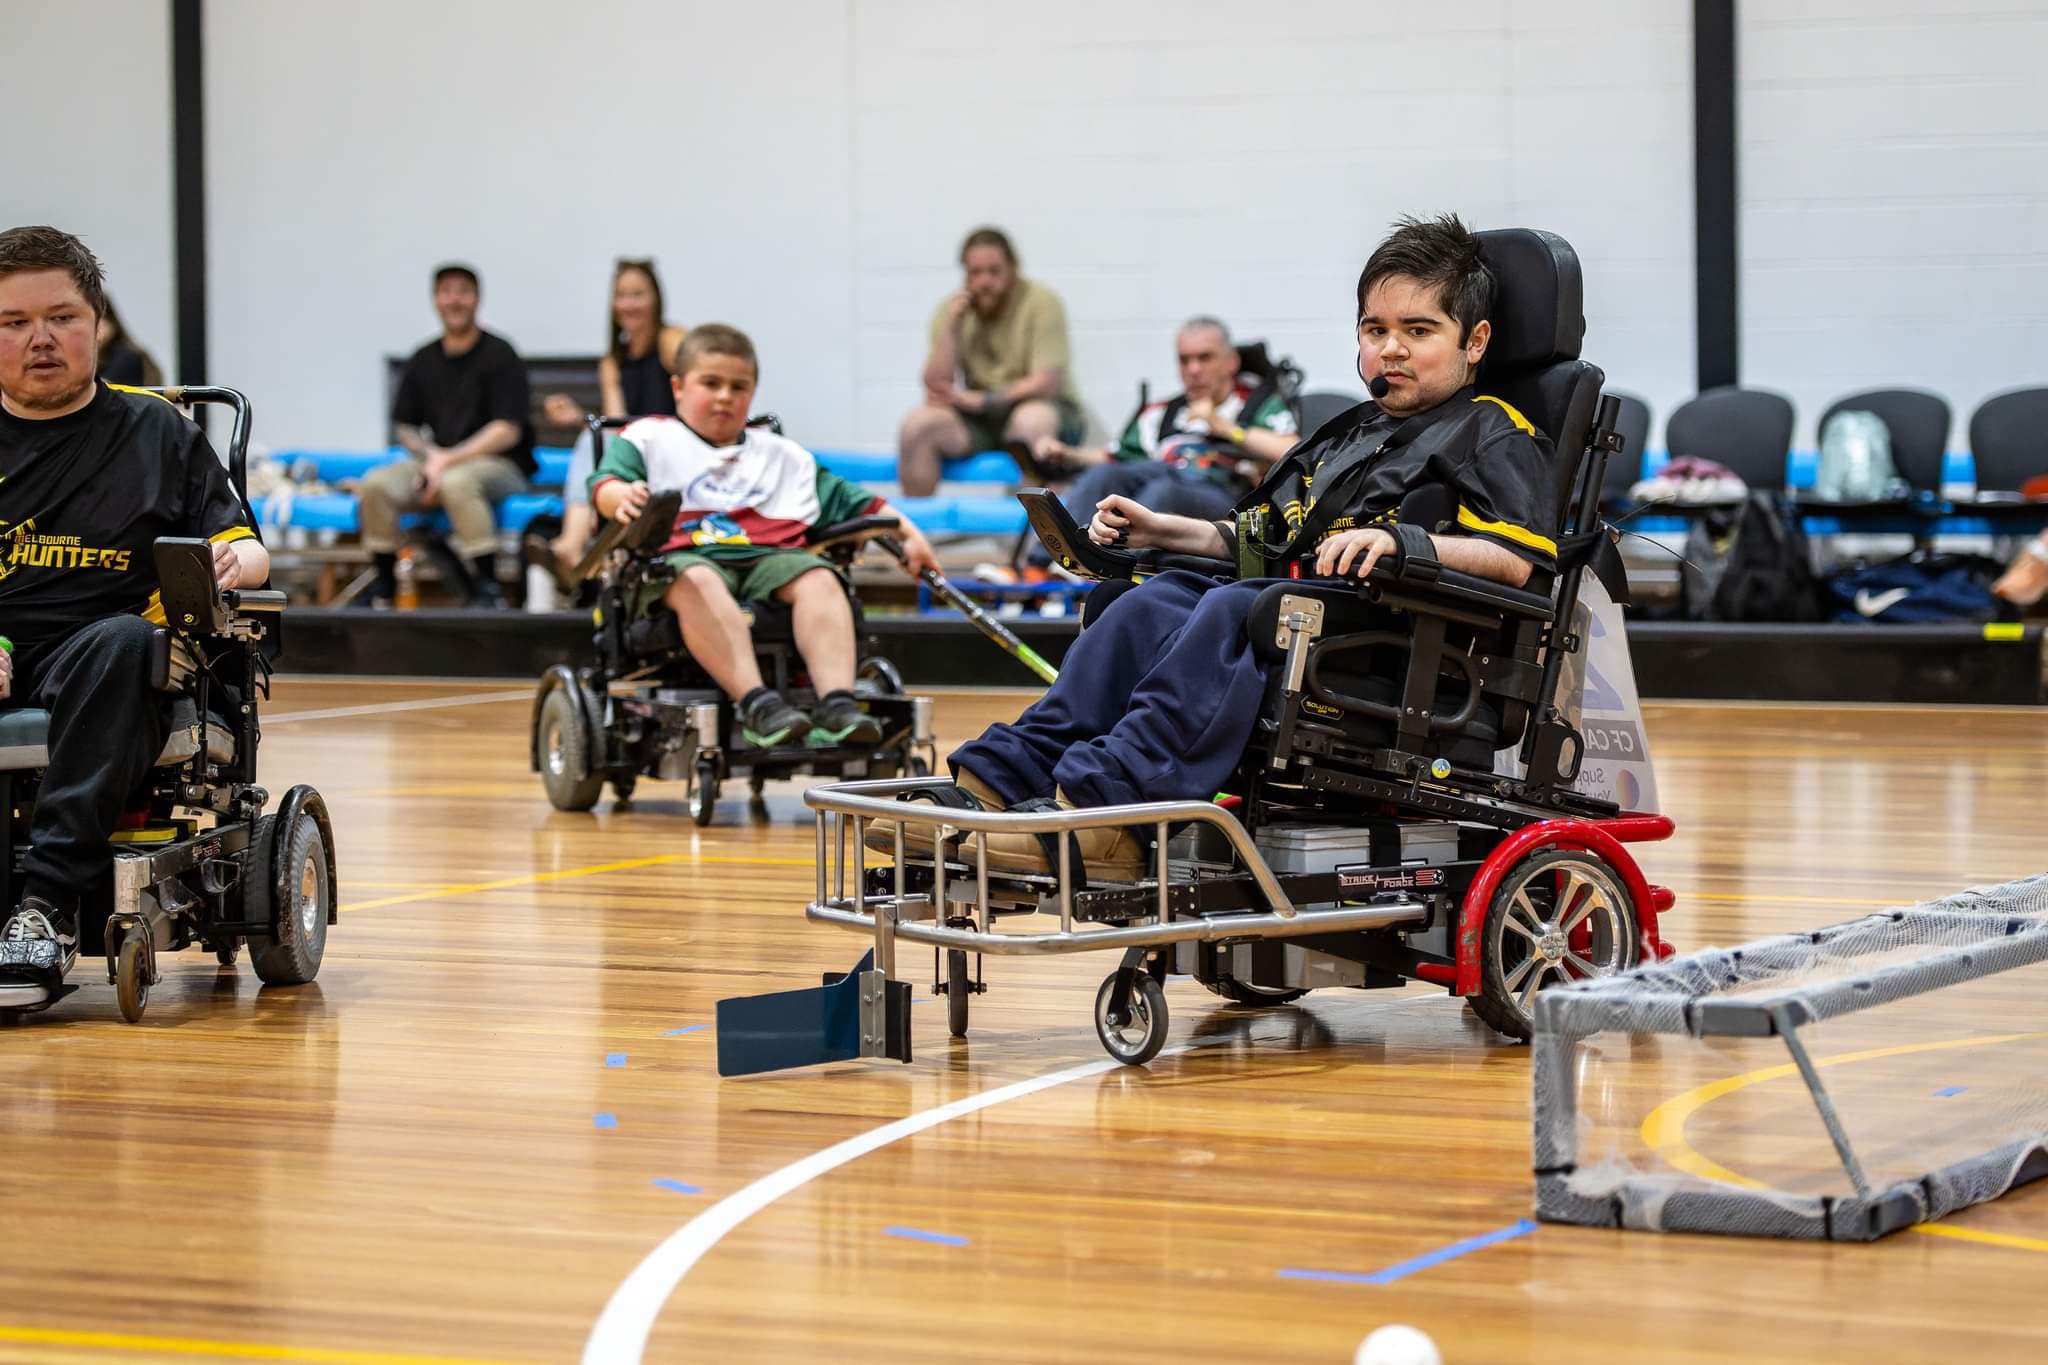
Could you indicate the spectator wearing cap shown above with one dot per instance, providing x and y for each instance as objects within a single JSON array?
[{"x": 462, "y": 415}]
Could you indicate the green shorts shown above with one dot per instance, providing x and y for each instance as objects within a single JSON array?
[
  {"x": 753, "y": 579},
  {"x": 984, "y": 434}
]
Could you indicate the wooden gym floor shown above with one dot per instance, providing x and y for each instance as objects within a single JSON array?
[{"x": 496, "y": 1111}]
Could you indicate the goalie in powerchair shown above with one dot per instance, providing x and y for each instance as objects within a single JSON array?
[
  {"x": 1158, "y": 698},
  {"x": 91, "y": 475}
]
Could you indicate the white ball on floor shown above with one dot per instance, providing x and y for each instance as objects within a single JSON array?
[{"x": 1397, "y": 1344}]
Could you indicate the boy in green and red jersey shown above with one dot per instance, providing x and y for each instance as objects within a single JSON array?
[{"x": 749, "y": 499}]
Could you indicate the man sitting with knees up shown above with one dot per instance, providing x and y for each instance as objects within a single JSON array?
[
  {"x": 749, "y": 498},
  {"x": 90, "y": 477},
  {"x": 1157, "y": 699}
]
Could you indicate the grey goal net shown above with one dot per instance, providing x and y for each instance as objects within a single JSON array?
[{"x": 1842, "y": 1083}]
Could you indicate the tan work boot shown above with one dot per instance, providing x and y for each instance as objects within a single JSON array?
[
  {"x": 1110, "y": 854},
  {"x": 917, "y": 839}
]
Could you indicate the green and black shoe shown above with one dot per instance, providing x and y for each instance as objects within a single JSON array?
[
  {"x": 768, "y": 719},
  {"x": 838, "y": 720}
]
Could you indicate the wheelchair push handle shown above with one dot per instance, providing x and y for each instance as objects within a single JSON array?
[{"x": 192, "y": 395}]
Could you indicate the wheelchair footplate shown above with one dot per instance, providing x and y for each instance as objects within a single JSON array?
[{"x": 955, "y": 899}]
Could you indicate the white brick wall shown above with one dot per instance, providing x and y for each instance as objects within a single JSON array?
[
  {"x": 87, "y": 146},
  {"x": 1894, "y": 170},
  {"x": 806, "y": 170}
]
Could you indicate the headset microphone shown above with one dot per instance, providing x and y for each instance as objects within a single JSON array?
[{"x": 1378, "y": 387}]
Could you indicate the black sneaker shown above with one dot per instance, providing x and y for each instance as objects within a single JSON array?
[
  {"x": 839, "y": 719},
  {"x": 770, "y": 720}
]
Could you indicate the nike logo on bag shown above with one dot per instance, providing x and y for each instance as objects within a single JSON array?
[{"x": 1878, "y": 603}]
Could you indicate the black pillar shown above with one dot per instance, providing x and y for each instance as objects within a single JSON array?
[
  {"x": 188, "y": 189},
  {"x": 1715, "y": 253}
]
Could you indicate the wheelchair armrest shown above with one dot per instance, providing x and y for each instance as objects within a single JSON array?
[
  {"x": 1468, "y": 591},
  {"x": 1071, "y": 548},
  {"x": 858, "y": 531},
  {"x": 652, "y": 526}
]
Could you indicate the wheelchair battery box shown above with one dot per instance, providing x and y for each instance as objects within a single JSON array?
[{"x": 1384, "y": 845}]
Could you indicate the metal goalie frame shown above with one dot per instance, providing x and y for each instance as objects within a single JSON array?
[{"x": 1678, "y": 997}]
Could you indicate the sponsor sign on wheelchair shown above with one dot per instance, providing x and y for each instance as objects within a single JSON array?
[{"x": 1599, "y": 696}]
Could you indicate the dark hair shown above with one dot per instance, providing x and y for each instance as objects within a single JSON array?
[
  {"x": 23, "y": 249},
  {"x": 989, "y": 236},
  {"x": 715, "y": 338},
  {"x": 1439, "y": 251},
  {"x": 617, "y": 346},
  {"x": 442, "y": 272}
]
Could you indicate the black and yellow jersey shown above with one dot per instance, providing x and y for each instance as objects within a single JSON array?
[
  {"x": 83, "y": 498},
  {"x": 1492, "y": 470}
]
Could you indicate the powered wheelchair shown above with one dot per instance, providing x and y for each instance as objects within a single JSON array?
[
  {"x": 1408, "y": 808},
  {"x": 644, "y": 707},
  {"x": 197, "y": 861}
]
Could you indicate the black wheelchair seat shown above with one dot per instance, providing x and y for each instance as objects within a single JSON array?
[{"x": 25, "y": 737}]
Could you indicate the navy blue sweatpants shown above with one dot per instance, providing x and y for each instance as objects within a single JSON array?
[{"x": 1155, "y": 702}]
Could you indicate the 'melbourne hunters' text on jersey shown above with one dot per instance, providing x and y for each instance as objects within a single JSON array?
[
  {"x": 84, "y": 497},
  {"x": 761, "y": 493}
]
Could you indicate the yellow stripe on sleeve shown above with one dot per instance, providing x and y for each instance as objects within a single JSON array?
[
  {"x": 154, "y": 612},
  {"x": 1472, "y": 521},
  {"x": 231, "y": 535},
  {"x": 1509, "y": 408}
]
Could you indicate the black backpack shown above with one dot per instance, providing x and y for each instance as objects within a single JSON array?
[{"x": 1749, "y": 563}]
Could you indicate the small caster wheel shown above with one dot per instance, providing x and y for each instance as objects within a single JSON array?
[
  {"x": 622, "y": 787},
  {"x": 704, "y": 793},
  {"x": 916, "y": 766},
  {"x": 756, "y": 787},
  {"x": 1134, "y": 1037},
  {"x": 131, "y": 978},
  {"x": 958, "y": 989},
  {"x": 225, "y": 954}
]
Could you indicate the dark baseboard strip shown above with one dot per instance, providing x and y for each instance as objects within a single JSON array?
[{"x": 1956, "y": 664}]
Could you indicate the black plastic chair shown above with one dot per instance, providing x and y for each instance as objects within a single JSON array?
[
  {"x": 2009, "y": 440},
  {"x": 1747, "y": 430},
  {"x": 1918, "y": 422}
]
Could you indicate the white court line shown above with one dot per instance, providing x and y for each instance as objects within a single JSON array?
[
  {"x": 383, "y": 707},
  {"x": 620, "y": 1334}
]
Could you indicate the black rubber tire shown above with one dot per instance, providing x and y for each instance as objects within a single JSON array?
[
  {"x": 225, "y": 956},
  {"x": 131, "y": 978},
  {"x": 622, "y": 786},
  {"x": 959, "y": 991},
  {"x": 915, "y": 766},
  {"x": 564, "y": 751},
  {"x": 704, "y": 793},
  {"x": 1244, "y": 993},
  {"x": 297, "y": 860},
  {"x": 1148, "y": 1013},
  {"x": 1507, "y": 983}
]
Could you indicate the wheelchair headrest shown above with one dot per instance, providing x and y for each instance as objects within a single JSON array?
[
  {"x": 1539, "y": 311},
  {"x": 1253, "y": 361}
]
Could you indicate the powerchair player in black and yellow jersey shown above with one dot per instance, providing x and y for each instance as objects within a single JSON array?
[
  {"x": 1158, "y": 698},
  {"x": 90, "y": 477}
]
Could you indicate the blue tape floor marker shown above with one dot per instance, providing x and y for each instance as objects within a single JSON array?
[
  {"x": 605, "y": 1120},
  {"x": 680, "y": 1187},
  {"x": 615, "y": 1059},
  {"x": 1403, "y": 1269},
  {"x": 1949, "y": 1090},
  {"x": 687, "y": 1028},
  {"x": 944, "y": 1239}
]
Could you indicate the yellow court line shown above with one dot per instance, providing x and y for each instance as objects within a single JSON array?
[
  {"x": 1663, "y": 1130},
  {"x": 537, "y": 878},
  {"x": 228, "y": 1350}
]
